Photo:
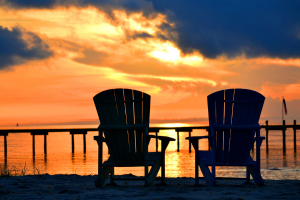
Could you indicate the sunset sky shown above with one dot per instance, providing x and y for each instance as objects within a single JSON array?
[{"x": 56, "y": 55}]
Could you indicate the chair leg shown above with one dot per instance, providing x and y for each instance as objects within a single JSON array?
[
  {"x": 196, "y": 174},
  {"x": 209, "y": 178},
  {"x": 195, "y": 144},
  {"x": 112, "y": 176},
  {"x": 163, "y": 178},
  {"x": 213, "y": 171},
  {"x": 149, "y": 180},
  {"x": 247, "y": 175},
  {"x": 103, "y": 176},
  {"x": 255, "y": 173}
]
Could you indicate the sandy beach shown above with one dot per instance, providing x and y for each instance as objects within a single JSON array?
[{"x": 82, "y": 187}]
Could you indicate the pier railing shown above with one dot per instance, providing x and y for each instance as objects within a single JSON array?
[{"x": 178, "y": 130}]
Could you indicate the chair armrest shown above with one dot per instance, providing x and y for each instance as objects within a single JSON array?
[
  {"x": 198, "y": 138},
  {"x": 164, "y": 141},
  {"x": 261, "y": 140},
  {"x": 96, "y": 138},
  {"x": 162, "y": 138},
  {"x": 194, "y": 140}
]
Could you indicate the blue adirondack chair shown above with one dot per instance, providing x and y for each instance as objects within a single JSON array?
[
  {"x": 124, "y": 117},
  {"x": 233, "y": 119}
]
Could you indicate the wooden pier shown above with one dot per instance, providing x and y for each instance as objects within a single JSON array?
[
  {"x": 178, "y": 130},
  {"x": 283, "y": 128}
]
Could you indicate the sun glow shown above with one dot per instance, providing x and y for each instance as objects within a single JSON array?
[
  {"x": 192, "y": 60},
  {"x": 167, "y": 52}
]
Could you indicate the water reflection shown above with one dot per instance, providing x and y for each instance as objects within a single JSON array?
[
  {"x": 45, "y": 162},
  {"x": 73, "y": 158},
  {"x": 284, "y": 163},
  {"x": 295, "y": 157},
  {"x": 267, "y": 160}
]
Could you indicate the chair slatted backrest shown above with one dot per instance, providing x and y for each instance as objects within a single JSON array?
[
  {"x": 124, "y": 107},
  {"x": 234, "y": 107}
]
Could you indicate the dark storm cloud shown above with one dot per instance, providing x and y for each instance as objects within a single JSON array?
[
  {"x": 17, "y": 46},
  {"x": 105, "y": 5},
  {"x": 31, "y": 3},
  {"x": 255, "y": 28}
]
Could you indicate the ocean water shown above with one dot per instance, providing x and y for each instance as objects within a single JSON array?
[{"x": 275, "y": 163}]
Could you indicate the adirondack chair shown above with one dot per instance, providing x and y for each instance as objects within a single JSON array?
[
  {"x": 233, "y": 120},
  {"x": 124, "y": 117}
]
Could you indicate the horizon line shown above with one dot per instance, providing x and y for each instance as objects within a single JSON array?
[{"x": 153, "y": 120}]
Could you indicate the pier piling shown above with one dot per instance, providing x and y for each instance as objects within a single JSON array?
[
  {"x": 267, "y": 136},
  {"x": 5, "y": 134},
  {"x": 83, "y": 132},
  {"x": 283, "y": 135},
  {"x": 295, "y": 137},
  {"x": 183, "y": 130},
  {"x": 5, "y": 146},
  {"x": 45, "y": 144},
  {"x": 72, "y": 143},
  {"x": 190, "y": 143},
  {"x": 33, "y": 145},
  {"x": 177, "y": 141},
  {"x": 34, "y": 133},
  {"x": 84, "y": 143},
  {"x": 156, "y": 144}
]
